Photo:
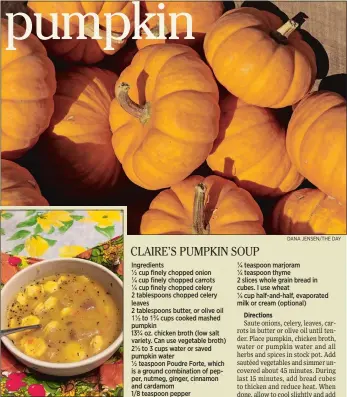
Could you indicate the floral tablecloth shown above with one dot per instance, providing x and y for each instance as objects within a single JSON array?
[{"x": 24, "y": 238}]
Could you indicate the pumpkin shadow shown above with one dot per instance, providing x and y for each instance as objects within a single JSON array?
[
  {"x": 228, "y": 5},
  {"x": 266, "y": 6},
  {"x": 141, "y": 87},
  {"x": 53, "y": 175},
  {"x": 322, "y": 59},
  {"x": 226, "y": 119},
  {"x": 121, "y": 59},
  {"x": 283, "y": 116},
  {"x": 301, "y": 228},
  {"x": 136, "y": 199},
  {"x": 212, "y": 200},
  {"x": 335, "y": 83}
]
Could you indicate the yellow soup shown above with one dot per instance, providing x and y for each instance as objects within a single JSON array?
[{"x": 79, "y": 318}]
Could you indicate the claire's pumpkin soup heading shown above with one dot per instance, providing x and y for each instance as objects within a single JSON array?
[{"x": 113, "y": 28}]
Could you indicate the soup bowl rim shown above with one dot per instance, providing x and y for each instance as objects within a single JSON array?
[{"x": 41, "y": 363}]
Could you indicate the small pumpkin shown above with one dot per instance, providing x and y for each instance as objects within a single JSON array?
[
  {"x": 18, "y": 186},
  {"x": 28, "y": 86},
  {"x": 87, "y": 51},
  {"x": 165, "y": 116},
  {"x": 251, "y": 150},
  {"x": 203, "y": 13},
  {"x": 260, "y": 60},
  {"x": 77, "y": 149},
  {"x": 309, "y": 211},
  {"x": 316, "y": 141},
  {"x": 213, "y": 205}
]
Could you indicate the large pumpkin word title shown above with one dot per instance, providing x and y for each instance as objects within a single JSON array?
[{"x": 89, "y": 26}]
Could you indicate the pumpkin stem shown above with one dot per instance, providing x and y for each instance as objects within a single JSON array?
[
  {"x": 199, "y": 224},
  {"x": 90, "y": 32},
  {"x": 281, "y": 34},
  {"x": 140, "y": 112}
]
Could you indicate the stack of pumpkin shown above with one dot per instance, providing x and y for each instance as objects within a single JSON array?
[{"x": 178, "y": 104}]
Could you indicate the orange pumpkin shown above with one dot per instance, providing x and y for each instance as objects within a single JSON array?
[
  {"x": 203, "y": 13},
  {"x": 166, "y": 115},
  {"x": 251, "y": 149},
  {"x": 88, "y": 51},
  {"x": 212, "y": 205},
  {"x": 77, "y": 149},
  {"x": 316, "y": 141},
  {"x": 28, "y": 85},
  {"x": 309, "y": 211},
  {"x": 18, "y": 186},
  {"x": 258, "y": 60}
]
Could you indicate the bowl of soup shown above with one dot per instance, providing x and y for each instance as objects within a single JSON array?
[{"x": 79, "y": 305}]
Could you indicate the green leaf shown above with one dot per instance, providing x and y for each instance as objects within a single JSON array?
[
  {"x": 38, "y": 229},
  {"x": 119, "y": 240},
  {"x": 2, "y": 231},
  {"x": 7, "y": 215},
  {"x": 29, "y": 222},
  {"x": 95, "y": 252},
  {"x": 50, "y": 242},
  {"x": 106, "y": 231},
  {"x": 51, "y": 387},
  {"x": 76, "y": 217},
  {"x": 51, "y": 230},
  {"x": 19, "y": 235},
  {"x": 66, "y": 226},
  {"x": 17, "y": 249},
  {"x": 30, "y": 212}
]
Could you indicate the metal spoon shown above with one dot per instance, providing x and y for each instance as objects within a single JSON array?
[{"x": 8, "y": 331}]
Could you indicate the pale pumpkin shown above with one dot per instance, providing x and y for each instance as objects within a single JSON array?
[
  {"x": 77, "y": 149},
  {"x": 88, "y": 51},
  {"x": 309, "y": 211},
  {"x": 27, "y": 88},
  {"x": 316, "y": 141},
  {"x": 18, "y": 186},
  {"x": 198, "y": 205},
  {"x": 165, "y": 116},
  {"x": 251, "y": 150},
  {"x": 203, "y": 14},
  {"x": 260, "y": 60}
]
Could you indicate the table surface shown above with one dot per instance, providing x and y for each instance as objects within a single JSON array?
[{"x": 30, "y": 236}]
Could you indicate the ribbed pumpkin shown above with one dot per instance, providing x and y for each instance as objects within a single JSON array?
[
  {"x": 166, "y": 115},
  {"x": 251, "y": 149},
  {"x": 260, "y": 60},
  {"x": 196, "y": 205},
  {"x": 77, "y": 149},
  {"x": 88, "y": 51},
  {"x": 27, "y": 88},
  {"x": 203, "y": 13},
  {"x": 316, "y": 141},
  {"x": 18, "y": 186},
  {"x": 309, "y": 211}
]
